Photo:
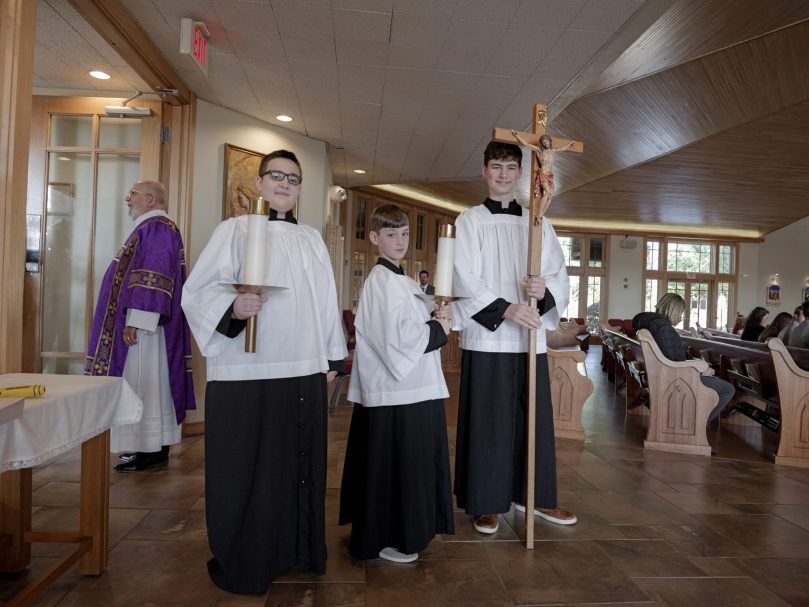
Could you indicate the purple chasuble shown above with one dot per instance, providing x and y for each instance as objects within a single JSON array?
[{"x": 148, "y": 274}]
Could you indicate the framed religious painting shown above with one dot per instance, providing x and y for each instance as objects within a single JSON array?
[{"x": 239, "y": 182}]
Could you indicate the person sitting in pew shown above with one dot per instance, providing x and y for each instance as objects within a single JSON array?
[
  {"x": 779, "y": 323},
  {"x": 798, "y": 317},
  {"x": 755, "y": 323},
  {"x": 797, "y": 335},
  {"x": 660, "y": 323},
  {"x": 738, "y": 324}
]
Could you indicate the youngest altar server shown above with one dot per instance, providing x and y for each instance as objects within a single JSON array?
[{"x": 396, "y": 481}]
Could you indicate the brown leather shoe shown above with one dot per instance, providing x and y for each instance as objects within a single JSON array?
[
  {"x": 488, "y": 523},
  {"x": 560, "y": 516}
]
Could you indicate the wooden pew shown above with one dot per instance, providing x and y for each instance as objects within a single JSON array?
[
  {"x": 679, "y": 404},
  {"x": 570, "y": 389},
  {"x": 793, "y": 388}
]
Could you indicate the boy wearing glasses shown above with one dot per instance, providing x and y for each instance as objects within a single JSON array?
[{"x": 266, "y": 412}]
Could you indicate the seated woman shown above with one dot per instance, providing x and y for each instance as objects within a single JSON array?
[
  {"x": 660, "y": 323},
  {"x": 755, "y": 323},
  {"x": 738, "y": 324},
  {"x": 779, "y": 323}
]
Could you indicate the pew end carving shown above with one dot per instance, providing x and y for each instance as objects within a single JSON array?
[
  {"x": 679, "y": 402},
  {"x": 793, "y": 388},
  {"x": 570, "y": 390}
]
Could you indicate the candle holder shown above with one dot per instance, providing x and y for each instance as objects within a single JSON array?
[{"x": 255, "y": 252}]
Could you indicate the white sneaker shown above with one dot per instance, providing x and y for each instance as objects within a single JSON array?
[
  {"x": 393, "y": 555},
  {"x": 560, "y": 516}
]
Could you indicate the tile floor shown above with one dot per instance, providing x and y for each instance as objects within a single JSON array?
[{"x": 654, "y": 529}]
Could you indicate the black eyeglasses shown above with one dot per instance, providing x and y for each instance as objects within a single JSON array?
[{"x": 292, "y": 178}]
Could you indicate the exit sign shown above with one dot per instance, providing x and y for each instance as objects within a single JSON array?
[{"x": 193, "y": 42}]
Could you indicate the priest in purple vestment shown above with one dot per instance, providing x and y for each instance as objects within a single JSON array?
[{"x": 140, "y": 332}]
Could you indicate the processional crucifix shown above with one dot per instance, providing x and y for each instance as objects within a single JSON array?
[{"x": 541, "y": 193}]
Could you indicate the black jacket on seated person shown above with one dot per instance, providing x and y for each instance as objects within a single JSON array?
[{"x": 663, "y": 333}]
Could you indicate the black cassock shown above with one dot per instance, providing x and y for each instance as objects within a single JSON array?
[
  {"x": 491, "y": 440},
  {"x": 265, "y": 479}
]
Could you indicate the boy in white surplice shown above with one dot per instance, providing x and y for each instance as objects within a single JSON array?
[{"x": 396, "y": 480}]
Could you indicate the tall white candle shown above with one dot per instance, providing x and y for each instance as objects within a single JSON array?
[
  {"x": 445, "y": 261},
  {"x": 256, "y": 248}
]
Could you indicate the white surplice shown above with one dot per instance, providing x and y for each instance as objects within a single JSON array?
[
  {"x": 299, "y": 328},
  {"x": 390, "y": 366},
  {"x": 491, "y": 260}
]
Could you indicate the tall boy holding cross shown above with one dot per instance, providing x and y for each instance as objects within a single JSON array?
[{"x": 491, "y": 272}]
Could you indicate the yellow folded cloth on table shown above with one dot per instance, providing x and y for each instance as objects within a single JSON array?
[{"x": 23, "y": 391}]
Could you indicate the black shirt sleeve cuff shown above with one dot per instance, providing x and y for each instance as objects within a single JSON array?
[
  {"x": 337, "y": 365},
  {"x": 229, "y": 326},
  {"x": 437, "y": 336},
  {"x": 546, "y": 304},
  {"x": 491, "y": 316}
]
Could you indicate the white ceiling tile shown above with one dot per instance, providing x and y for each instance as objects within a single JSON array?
[
  {"x": 355, "y": 124},
  {"x": 393, "y": 141},
  {"x": 465, "y": 136},
  {"x": 273, "y": 88},
  {"x": 315, "y": 91},
  {"x": 542, "y": 89},
  {"x": 571, "y": 53},
  {"x": 403, "y": 97},
  {"x": 408, "y": 78},
  {"x": 320, "y": 106},
  {"x": 475, "y": 35},
  {"x": 500, "y": 85},
  {"x": 328, "y": 114},
  {"x": 493, "y": 104},
  {"x": 362, "y": 53},
  {"x": 446, "y": 100},
  {"x": 399, "y": 118},
  {"x": 266, "y": 69},
  {"x": 605, "y": 17},
  {"x": 308, "y": 48},
  {"x": 218, "y": 43},
  {"x": 324, "y": 132},
  {"x": 432, "y": 8},
  {"x": 360, "y": 110},
  {"x": 199, "y": 10},
  {"x": 548, "y": 13},
  {"x": 362, "y": 94},
  {"x": 312, "y": 71},
  {"x": 361, "y": 76},
  {"x": 130, "y": 76},
  {"x": 512, "y": 64},
  {"x": 533, "y": 40},
  {"x": 432, "y": 113},
  {"x": 448, "y": 163},
  {"x": 143, "y": 12},
  {"x": 382, "y": 175},
  {"x": 378, "y": 6},
  {"x": 252, "y": 17},
  {"x": 463, "y": 60},
  {"x": 418, "y": 29},
  {"x": 241, "y": 103},
  {"x": 245, "y": 45},
  {"x": 297, "y": 19},
  {"x": 361, "y": 26},
  {"x": 485, "y": 10},
  {"x": 409, "y": 56},
  {"x": 163, "y": 37},
  {"x": 455, "y": 82}
]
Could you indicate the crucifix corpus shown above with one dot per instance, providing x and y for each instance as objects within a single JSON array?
[{"x": 543, "y": 150}]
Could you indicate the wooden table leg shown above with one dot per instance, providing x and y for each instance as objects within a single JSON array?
[
  {"x": 15, "y": 519},
  {"x": 95, "y": 500}
]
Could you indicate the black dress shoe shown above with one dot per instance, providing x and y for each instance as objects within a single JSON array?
[
  {"x": 143, "y": 461},
  {"x": 127, "y": 457}
]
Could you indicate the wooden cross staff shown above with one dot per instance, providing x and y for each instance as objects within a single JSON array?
[{"x": 537, "y": 212}]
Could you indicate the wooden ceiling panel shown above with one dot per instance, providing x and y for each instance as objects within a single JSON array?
[{"x": 694, "y": 28}]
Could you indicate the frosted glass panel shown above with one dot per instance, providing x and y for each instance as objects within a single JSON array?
[
  {"x": 72, "y": 131},
  {"x": 119, "y": 133},
  {"x": 116, "y": 174},
  {"x": 67, "y": 233}
]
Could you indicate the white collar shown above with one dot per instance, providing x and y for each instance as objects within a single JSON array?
[{"x": 149, "y": 215}]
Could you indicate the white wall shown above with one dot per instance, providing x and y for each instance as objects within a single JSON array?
[
  {"x": 750, "y": 288},
  {"x": 624, "y": 264},
  {"x": 216, "y": 126},
  {"x": 784, "y": 251}
]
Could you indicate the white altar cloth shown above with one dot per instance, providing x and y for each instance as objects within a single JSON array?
[{"x": 73, "y": 409}]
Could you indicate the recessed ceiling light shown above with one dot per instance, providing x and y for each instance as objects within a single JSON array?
[
  {"x": 284, "y": 118},
  {"x": 100, "y": 75},
  {"x": 62, "y": 158},
  {"x": 359, "y": 171}
]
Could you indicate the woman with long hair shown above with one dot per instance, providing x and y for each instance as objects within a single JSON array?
[
  {"x": 779, "y": 323},
  {"x": 755, "y": 323}
]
